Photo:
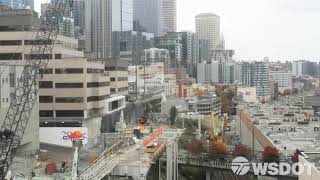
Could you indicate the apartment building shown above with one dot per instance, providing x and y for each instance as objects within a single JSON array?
[{"x": 284, "y": 80}]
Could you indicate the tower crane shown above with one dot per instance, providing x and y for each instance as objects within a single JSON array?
[{"x": 18, "y": 114}]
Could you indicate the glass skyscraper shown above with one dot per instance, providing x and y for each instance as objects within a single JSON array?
[
  {"x": 18, "y": 4},
  {"x": 147, "y": 16}
]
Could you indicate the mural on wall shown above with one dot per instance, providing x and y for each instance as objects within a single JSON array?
[{"x": 73, "y": 136}]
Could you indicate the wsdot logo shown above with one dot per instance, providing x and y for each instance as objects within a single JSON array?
[{"x": 240, "y": 166}]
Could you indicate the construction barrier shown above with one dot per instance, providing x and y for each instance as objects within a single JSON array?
[{"x": 153, "y": 136}]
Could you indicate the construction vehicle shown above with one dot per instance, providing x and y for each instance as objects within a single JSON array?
[
  {"x": 217, "y": 133},
  {"x": 26, "y": 92},
  {"x": 153, "y": 147},
  {"x": 217, "y": 140}
]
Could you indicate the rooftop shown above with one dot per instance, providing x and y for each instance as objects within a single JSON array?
[{"x": 288, "y": 127}]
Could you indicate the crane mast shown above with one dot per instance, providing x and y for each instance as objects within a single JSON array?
[{"x": 26, "y": 92}]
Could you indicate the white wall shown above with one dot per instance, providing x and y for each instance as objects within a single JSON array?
[{"x": 54, "y": 135}]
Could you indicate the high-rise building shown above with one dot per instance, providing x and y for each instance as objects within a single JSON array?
[
  {"x": 171, "y": 41},
  {"x": 78, "y": 13},
  {"x": 302, "y": 67},
  {"x": 66, "y": 26},
  {"x": 169, "y": 15},
  {"x": 147, "y": 16},
  {"x": 200, "y": 49},
  {"x": 208, "y": 27},
  {"x": 187, "y": 41},
  {"x": 132, "y": 44},
  {"x": 98, "y": 31},
  {"x": 126, "y": 15},
  {"x": 208, "y": 72},
  {"x": 256, "y": 74},
  {"x": 18, "y": 4}
]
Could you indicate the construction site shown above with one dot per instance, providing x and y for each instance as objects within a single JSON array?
[{"x": 139, "y": 150}]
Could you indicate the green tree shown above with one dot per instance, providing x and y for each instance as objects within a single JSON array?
[{"x": 173, "y": 115}]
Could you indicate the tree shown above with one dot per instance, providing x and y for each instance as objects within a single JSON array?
[
  {"x": 216, "y": 147},
  {"x": 195, "y": 147},
  {"x": 173, "y": 115},
  {"x": 287, "y": 92},
  {"x": 241, "y": 150},
  {"x": 219, "y": 90},
  {"x": 270, "y": 154}
]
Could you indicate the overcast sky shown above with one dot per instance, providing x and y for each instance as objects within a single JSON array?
[{"x": 280, "y": 29}]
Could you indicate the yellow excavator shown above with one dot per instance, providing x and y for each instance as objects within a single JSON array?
[{"x": 217, "y": 133}]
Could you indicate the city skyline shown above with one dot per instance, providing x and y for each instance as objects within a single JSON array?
[{"x": 258, "y": 29}]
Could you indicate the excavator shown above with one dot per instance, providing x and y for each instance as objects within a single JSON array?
[
  {"x": 217, "y": 140},
  {"x": 217, "y": 132},
  {"x": 26, "y": 93}
]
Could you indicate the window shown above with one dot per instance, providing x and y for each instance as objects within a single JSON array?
[
  {"x": 37, "y": 42},
  {"x": 9, "y": 56},
  {"x": 110, "y": 68},
  {"x": 69, "y": 99},
  {"x": 97, "y": 84},
  {"x": 97, "y": 98},
  {"x": 58, "y": 56},
  {"x": 69, "y": 113},
  {"x": 69, "y": 85},
  {"x": 11, "y": 43},
  {"x": 39, "y": 56},
  {"x": 114, "y": 105},
  {"x": 45, "y": 99},
  {"x": 92, "y": 71},
  {"x": 46, "y": 71},
  {"x": 69, "y": 71},
  {"x": 122, "y": 79},
  {"x": 112, "y": 79},
  {"x": 43, "y": 113},
  {"x": 112, "y": 90},
  {"x": 12, "y": 80},
  {"x": 45, "y": 84}
]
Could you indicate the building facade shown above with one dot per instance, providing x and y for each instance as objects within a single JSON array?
[
  {"x": 172, "y": 41},
  {"x": 132, "y": 45},
  {"x": 169, "y": 15},
  {"x": 9, "y": 77},
  {"x": 205, "y": 105},
  {"x": 98, "y": 31},
  {"x": 118, "y": 71},
  {"x": 78, "y": 13},
  {"x": 303, "y": 67},
  {"x": 154, "y": 55},
  {"x": 18, "y": 4},
  {"x": 147, "y": 16},
  {"x": 149, "y": 79},
  {"x": 208, "y": 27},
  {"x": 284, "y": 80},
  {"x": 256, "y": 74}
]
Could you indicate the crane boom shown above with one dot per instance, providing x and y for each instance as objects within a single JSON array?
[{"x": 21, "y": 105}]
